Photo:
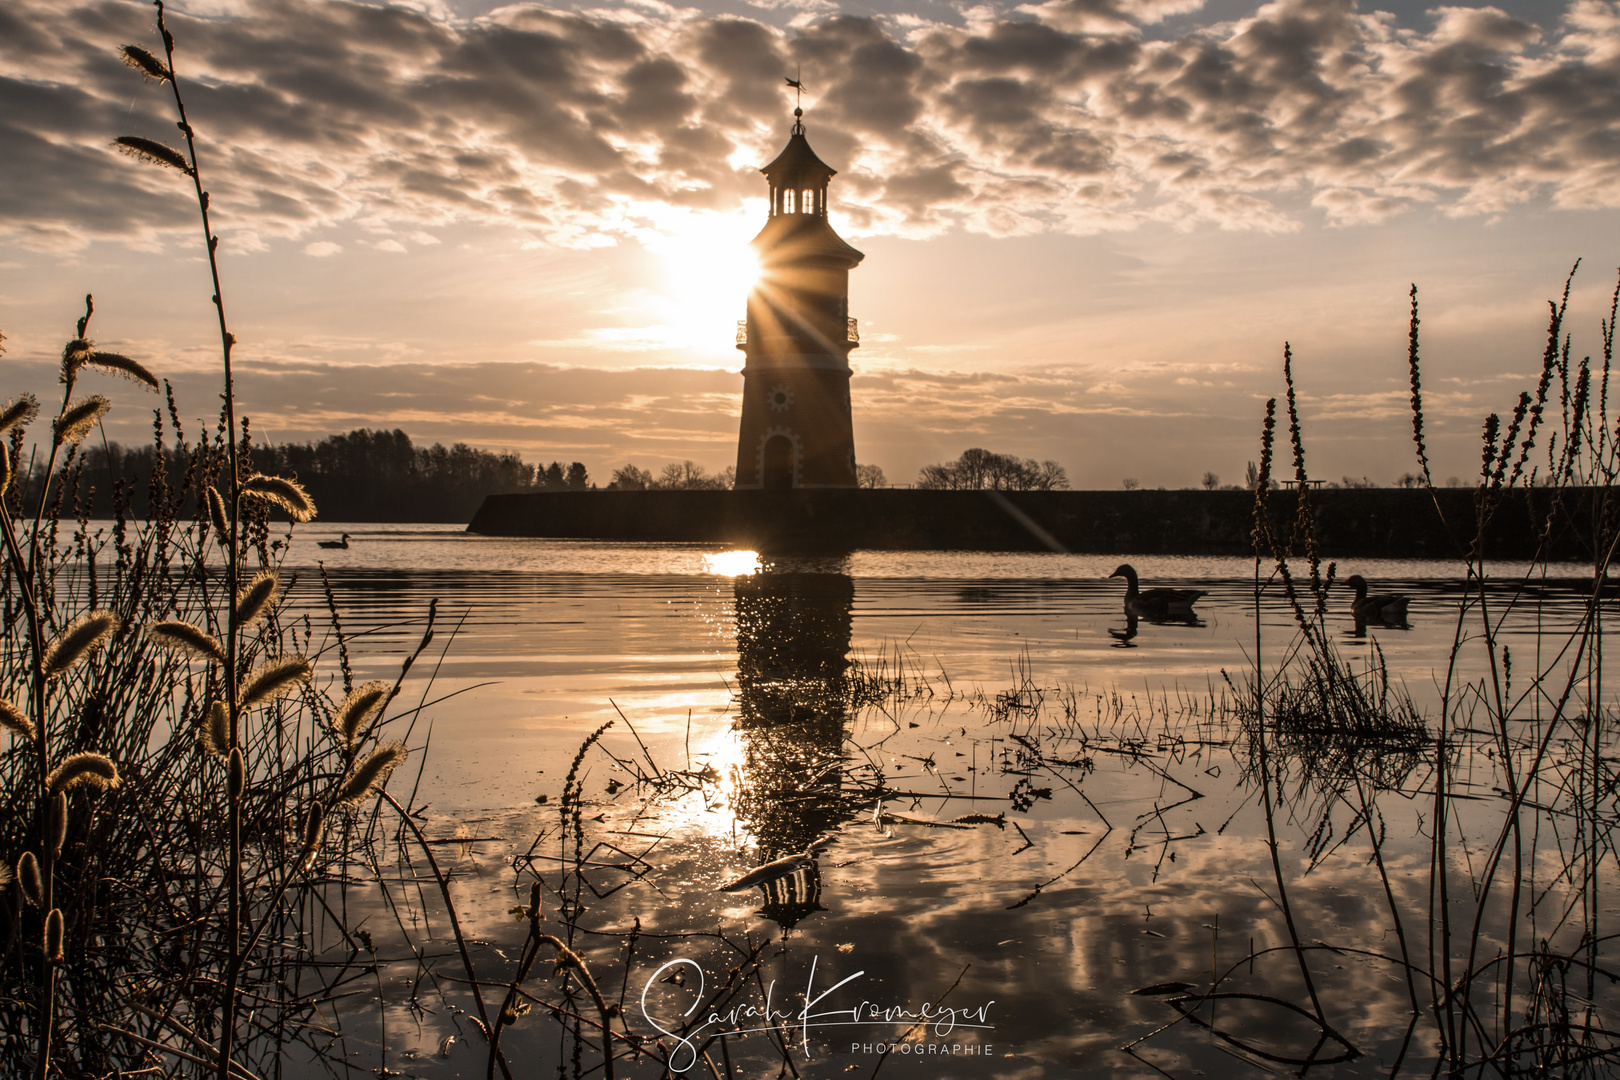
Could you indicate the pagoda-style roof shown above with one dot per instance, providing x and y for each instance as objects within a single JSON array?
[
  {"x": 801, "y": 238},
  {"x": 798, "y": 163}
]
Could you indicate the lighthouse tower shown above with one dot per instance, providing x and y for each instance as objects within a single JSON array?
[{"x": 796, "y": 430}]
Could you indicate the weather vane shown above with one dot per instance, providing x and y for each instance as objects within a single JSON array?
[{"x": 797, "y": 82}]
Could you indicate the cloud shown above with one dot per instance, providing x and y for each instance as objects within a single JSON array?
[
  {"x": 1060, "y": 116},
  {"x": 322, "y": 249}
]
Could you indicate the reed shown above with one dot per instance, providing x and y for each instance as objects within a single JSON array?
[{"x": 176, "y": 806}]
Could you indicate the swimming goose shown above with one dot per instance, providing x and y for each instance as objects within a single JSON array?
[
  {"x": 1155, "y": 603},
  {"x": 1387, "y": 608}
]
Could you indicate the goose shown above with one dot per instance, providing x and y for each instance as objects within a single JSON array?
[
  {"x": 1155, "y": 603},
  {"x": 1387, "y": 608},
  {"x": 342, "y": 544}
]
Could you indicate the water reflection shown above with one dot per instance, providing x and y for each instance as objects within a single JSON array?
[{"x": 793, "y": 639}]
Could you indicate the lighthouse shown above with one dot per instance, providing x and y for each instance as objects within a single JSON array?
[{"x": 796, "y": 429}]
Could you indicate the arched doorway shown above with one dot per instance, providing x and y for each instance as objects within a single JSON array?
[{"x": 778, "y": 471}]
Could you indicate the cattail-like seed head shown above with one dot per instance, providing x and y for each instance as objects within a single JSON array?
[
  {"x": 88, "y": 767},
  {"x": 174, "y": 634},
  {"x": 255, "y": 598},
  {"x": 13, "y": 720},
  {"x": 33, "y": 887},
  {"x": 117, "y": 364},
  {"x": 5, "y": 469},
  {"x": 151, "y": 151},
  {"x": 216, "y": 729},
  {"x": 53, "y": 936},
  {"x": 237, "y": 774},
  {"x": 313, "y": 822},
  {"x": 6, "y": 877},
  {"x": 216, "y": 514},
  {"x": 358, "y": 709},
  {"x": 82, "y": 635},
  {"x": 371, "y": 773},
  {"x": 18, "y": 411},
  {"x": 58, "y": 824},
  {"x": 273, "y": 679},
  {"x": 74, "y": 424},
  {"x": 144, "y": 62},
  {"x": 73, "y": 356},
  {"x": 281, "y": 493}
]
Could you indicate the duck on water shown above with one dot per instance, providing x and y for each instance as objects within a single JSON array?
[
  {"x": 1386, "y": 608},
  {"x": 1158, "y": 603},
  {"x": 341, "y": 545}
]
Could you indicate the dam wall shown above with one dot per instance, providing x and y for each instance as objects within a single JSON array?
[{"x": 1354, "y": 522}]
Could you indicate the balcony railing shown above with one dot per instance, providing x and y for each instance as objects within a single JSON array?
[{"x": 852, "y": 331}]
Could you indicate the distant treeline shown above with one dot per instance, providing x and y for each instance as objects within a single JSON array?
[{"x": 362, "y": 476}]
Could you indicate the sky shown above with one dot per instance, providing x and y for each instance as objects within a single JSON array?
[{"x": 1090, "y": 226}]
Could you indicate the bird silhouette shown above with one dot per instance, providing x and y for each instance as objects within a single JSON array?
[
  {"x": 342, "y": 544},
  {"x": 1386, "y": 608},
  {"x": 1155, "y": 603}
]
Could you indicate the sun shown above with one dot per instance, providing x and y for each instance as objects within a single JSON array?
[{"x": 708, "y": 269}]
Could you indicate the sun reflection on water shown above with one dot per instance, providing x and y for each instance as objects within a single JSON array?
[{"x": 732, "y": 563}]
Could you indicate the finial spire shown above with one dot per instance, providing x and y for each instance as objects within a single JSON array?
[{"x": 798, "y": 99}]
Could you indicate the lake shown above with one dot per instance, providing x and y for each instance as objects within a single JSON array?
[{"x": 1028, "y": 807}]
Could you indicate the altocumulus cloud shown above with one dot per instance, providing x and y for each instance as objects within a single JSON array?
[{"x": 1063, "y": 115}]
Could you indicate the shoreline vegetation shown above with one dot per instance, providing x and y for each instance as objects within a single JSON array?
[{"x": 211, "y": 870}]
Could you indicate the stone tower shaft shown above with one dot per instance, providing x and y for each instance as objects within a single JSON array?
[{"x": 796, "y": 428}]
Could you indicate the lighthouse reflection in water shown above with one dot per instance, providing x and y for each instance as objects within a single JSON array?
[{"x": 793, "y": 635}]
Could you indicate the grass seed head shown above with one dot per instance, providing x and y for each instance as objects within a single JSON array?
[
  {"x": 151, "y": 151},
  {"x": 272, "y": 679},
  {"x": 216, "y": 514},
  {"x": 19, "y": 411},
  {"x": 58, "y": 823},
  {"x": 281, "y": 493},
  {"x": 313, "y": 822},
  {"x": 237, "y": 774},
  {"x": 145, "y": 63},
  {"x": 33, "y": 887},
  {"x": 358, "y": 709},
  {"x": 118, "y": 364},
  {"x": 255, "y": 598},
  {"x": 74, "y": 424},
  {"x": 216, "y": 729},
  {"x": 53, "y": 936},
  {"x": 174, "y": 634},
  {"x": 13, "y": 720},
  {"x": 370, "y": 774},
  {"x": 82, "y": 635},
  {"x": 88, "y": 767}
]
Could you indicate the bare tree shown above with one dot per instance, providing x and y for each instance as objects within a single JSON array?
[{"x": 870, "y": 476}]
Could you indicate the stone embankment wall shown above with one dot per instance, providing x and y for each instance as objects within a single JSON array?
[{"x": 1363, "y": 522}]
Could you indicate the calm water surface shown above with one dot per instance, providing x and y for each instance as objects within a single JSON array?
[{"x": 1125, "y": 845}]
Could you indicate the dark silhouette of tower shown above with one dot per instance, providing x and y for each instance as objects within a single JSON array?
[{"x": 796, "y": 429}]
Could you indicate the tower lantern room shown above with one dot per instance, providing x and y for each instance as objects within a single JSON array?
[{"x": 796, "y": 428}]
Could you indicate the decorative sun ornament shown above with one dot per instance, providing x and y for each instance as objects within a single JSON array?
[{"x": 780, "y": 398}]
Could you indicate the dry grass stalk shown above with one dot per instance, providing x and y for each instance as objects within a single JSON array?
[
  {"x": 371, "y": 773},
  {"x": 281, "y": 493},
  {"x": 28, "y": 877},
  {"x": 357, "y": 710},
  {"x": 272, "y": 680},
  {"x": 255, "y": 598},
  {"x": 86, "y": 768},
  {"x": 13, "y": 720},
  {"x": 76, "y": 422},
  {"x": 175, "y": 634},
  {"x": 73, "y": 644}
]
